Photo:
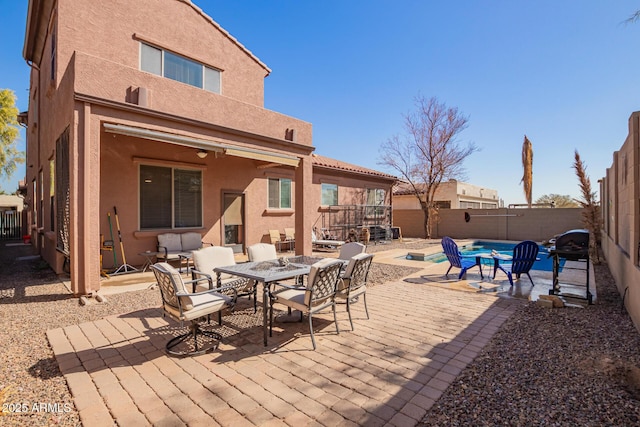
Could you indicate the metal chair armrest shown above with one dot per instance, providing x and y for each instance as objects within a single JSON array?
[{"x": 164, "y": 250}]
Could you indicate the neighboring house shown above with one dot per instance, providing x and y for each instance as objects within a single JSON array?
[
  {"x": 452, "y": 194},
  {"x": 151, "y": 108},
  {"x": 10, "y": 217}
]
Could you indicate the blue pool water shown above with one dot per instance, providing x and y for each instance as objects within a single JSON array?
[{"x": 545, "y": 263}]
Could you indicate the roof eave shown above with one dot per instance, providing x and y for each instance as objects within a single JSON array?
[
  {"x": 367, "y": 174},
  {"x": 35, "y": 36}
]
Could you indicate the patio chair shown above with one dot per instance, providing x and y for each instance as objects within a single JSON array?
[
  {"x": 456, "y": 259},
  {"x": 324, "y": 243},
  {"x": 524, "y": 255},
  {"x": 182, "y": 305},
  {"x": 262, "y": 252},
  {"x": 318, "y": 295},
  {"x": 206, "y": 259},
  {"x": 354, "y": 282},
  {"x": 290, "y": 237},
  {"x": 351, "y": 249}
]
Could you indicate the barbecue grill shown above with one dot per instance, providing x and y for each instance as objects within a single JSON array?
[{"x": 573, "y": 245}]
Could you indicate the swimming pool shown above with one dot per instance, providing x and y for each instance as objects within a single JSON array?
[{"x": 480, "y": 246}]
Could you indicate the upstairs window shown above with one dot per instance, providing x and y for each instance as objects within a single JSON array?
[
  {"x": 329, "y": 194},
  {"x": 175, "y": 67},
  {"x": 279, "y": 193}
]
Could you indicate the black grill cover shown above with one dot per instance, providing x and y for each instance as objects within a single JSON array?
[{"x": 572, "y": 245}]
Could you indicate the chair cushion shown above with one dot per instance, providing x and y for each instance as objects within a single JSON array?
[
  {"x": 261, "y": 252},
  {"x": 342, "y": 293},
  {"x": 191, "y": 241},
  {"x": 348, "y": 250},
  {"x": 180, "y": 286},
  {"x": 352, "y": 263},
  {"x": 201, "y": 305},
  {"x": 206, "y": 259},
  {"x": 171, "y": 241},
  {"x": 317, "y": 266},
  {"x": 293, "y": 298}
]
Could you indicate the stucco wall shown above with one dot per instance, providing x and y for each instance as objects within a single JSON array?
[
  {"x": 453, "y": 191},
  {"x": 499, "y": 224},
  {"x": 620, "y": 193},
  {"x": 112, "y": 29}
]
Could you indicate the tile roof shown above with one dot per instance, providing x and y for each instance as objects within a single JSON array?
[{"x": 329, "y": 163}]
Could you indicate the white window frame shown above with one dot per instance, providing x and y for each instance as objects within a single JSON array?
[
  {"x": 206, "y": 70},
  {"x": 329, "y": 187},
  {"x": 280, "y": 181}
]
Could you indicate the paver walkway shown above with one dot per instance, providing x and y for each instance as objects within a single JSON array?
[{"x": 389, "y": 371}]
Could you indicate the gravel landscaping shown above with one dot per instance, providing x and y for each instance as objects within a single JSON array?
[{"x": 551, "y": 367}]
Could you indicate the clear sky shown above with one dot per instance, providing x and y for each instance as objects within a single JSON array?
[{"x": 563, "y": 72}]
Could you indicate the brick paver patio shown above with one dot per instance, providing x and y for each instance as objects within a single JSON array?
[{"x": 389, "y": 371}]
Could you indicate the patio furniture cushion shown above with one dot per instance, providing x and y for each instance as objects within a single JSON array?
[
  {"x": 262, "y": 252},
  {"x": 180, "y": 288},
  {"x": 172, "y": 245},
  {"x": 205, "y": 260},
  {"x": 201, "y": 305},
  {"x": 171, "y": 241},
  {"x": 191, "y": 241},
  {"x": 348, "y": 250},
  {"x": 315, "y": 242}
]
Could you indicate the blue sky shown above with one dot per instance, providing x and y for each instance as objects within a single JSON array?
[{"x": 565, "y": 73}]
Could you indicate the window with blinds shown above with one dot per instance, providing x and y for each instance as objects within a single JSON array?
[
  {"x": 176, "y": 67},
  {"x": 170, "y": 197}
]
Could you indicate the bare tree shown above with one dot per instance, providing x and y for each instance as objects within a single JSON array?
[
  {"x": 428, "y": 152},
  {"x": 635, "y": 17},
  {"x": 527, "y": 165},
  {"x": 591, "y": 218}
]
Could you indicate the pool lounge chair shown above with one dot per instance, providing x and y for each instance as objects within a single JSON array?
[
  {"x": 456, "y": 259},
  {"x": 324, "y": 243}
]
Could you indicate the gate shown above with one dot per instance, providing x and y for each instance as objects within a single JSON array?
[{"x": 10, "y": 225}]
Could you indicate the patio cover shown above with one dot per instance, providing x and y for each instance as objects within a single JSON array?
[{"x": 187, "y": 141}]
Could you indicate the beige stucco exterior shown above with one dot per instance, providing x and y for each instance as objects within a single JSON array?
[
  {"x": 459, "y": 195},
  {"x": 620, "y": 200},
  {"x": 86, "y": 78}
]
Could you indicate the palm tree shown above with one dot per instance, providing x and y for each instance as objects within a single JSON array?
[{"x": 527, "y": 165}]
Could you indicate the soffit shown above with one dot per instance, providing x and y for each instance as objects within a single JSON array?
[
  {"x": 203, "y": 144},
  {"x": 37, "y": 26}
]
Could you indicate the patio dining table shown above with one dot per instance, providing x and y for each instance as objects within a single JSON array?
[{"x": 268, "y": 272}]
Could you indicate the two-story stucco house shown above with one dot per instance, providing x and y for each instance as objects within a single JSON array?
[{"x": 150, "y": 108}]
